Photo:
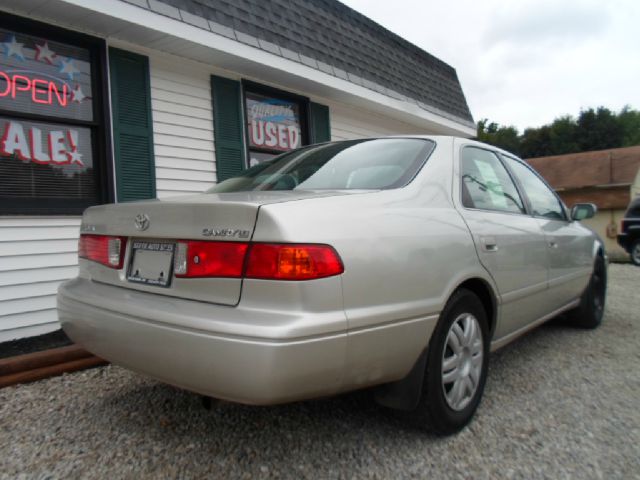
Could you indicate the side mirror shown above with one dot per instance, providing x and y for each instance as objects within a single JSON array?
[{"x": 582, "y": 211}]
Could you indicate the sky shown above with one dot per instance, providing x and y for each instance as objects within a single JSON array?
[{"x": 526, "y": 62}]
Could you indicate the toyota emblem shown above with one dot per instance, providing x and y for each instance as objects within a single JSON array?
[{"x": 142, "y": 221}]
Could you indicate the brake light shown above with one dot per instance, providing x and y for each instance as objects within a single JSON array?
[
  {"x": 209, "y": 259},
  {"x": 104, "y": 249},
  {"x": 270, "y": 261},
  {"x": 292, "y": 262}
]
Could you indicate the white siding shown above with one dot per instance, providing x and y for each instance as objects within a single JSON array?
[
  {"x": 348, "y": 123},
  {"x": 182, "y": 126},
  {"x": 36, "y": 254}
]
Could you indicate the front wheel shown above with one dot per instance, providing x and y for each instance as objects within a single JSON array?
[
  {"x": 591, "y": 309},
  {"x": 456, "y": 366},
  {"x": 635, "y": 253}
]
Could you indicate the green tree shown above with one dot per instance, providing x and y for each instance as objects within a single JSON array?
[
  {"x": 599, "y": 129},
  {"x": 536, "y": 142},
  {"x": 593, "y": 129},
  {"x": 630, "y": 121},
  {"x": 563, "y": 136},
  {"x": 504, "y": 137}
]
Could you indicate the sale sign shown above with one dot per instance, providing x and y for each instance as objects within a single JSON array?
[
  {"x": 37, "y": 145},
  {"x": 273, "y": 123}
]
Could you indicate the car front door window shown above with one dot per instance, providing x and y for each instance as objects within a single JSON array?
[{"x": 544, "y": 202}]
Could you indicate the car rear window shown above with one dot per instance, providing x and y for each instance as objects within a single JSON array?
[{"x": 353, "y": 165}]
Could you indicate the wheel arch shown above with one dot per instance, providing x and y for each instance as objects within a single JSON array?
[
  {"x": 405, "y": 394},
  {"x": 485, "y": 292}
]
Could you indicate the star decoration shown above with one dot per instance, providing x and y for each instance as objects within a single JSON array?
[
  {"x": 77, "y": 95},
  {"x": 13, "y": 47},
  {"x": 44, "y": 53},
  {"x": 75, "y": 157},
  {"x": 67, "y": 66}
]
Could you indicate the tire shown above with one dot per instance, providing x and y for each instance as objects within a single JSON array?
[
  {"x": 590, "y": 312},
  {"x": 634, "y": 252},
  {"x": 438, "y": 409}
]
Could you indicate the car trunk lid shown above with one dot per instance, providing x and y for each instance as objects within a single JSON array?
[{"x": 152, "y": 229}]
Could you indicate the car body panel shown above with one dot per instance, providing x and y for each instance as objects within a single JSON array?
[
  {"x": 570, "y": 247},
  {"x": 516, "y": 244},
  {"x": 250, "y": 370}
]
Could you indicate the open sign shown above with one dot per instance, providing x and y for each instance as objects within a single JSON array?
[{"x": 41, "y": 90}]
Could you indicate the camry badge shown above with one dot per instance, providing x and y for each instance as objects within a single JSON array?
[{"x": 142, "y": 221}]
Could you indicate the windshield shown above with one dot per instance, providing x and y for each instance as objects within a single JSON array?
[{"x": 353, "y": 165}]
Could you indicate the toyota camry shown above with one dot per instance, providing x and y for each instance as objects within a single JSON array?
[{"x": 397, "y": 263}]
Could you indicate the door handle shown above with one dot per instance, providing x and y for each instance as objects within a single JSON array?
[
  {"x": 553, "y": 244},
  {"x": 489, "y": 244}
]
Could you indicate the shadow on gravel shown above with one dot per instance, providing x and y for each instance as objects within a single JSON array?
[
  {"x": 158, "y": 410},
  {"x": 313, "y": 434}
]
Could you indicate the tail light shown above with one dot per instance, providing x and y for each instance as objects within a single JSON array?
[
  {"x": 292, "y": 262},
  {"x": 209, "y": 259},
  {"x": 104, "y": 249},
  {"x": 197, "y": 259}
]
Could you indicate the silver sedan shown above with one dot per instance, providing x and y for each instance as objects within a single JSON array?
[{"x": 396, "y": 263}]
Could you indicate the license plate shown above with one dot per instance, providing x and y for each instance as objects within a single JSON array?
[{"x": 151, "y": 263}]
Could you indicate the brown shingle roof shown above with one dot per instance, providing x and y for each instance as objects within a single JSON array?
[{"x": 618, "y": 166}]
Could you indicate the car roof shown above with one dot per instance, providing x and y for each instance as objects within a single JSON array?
[{"x": 435, "y": 138}]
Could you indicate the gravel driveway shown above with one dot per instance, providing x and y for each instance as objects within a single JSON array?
[{"x": 559, "y": 403}]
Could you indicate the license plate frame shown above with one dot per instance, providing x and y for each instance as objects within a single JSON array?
[{"x": 151, "y": 263}]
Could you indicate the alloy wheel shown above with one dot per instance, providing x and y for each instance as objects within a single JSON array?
[
  {"x": 635, "y": 253},
  {"x": 462, "y": 361}
]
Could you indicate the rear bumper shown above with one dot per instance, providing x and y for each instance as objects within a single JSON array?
[{"x": 203, "y": 347}]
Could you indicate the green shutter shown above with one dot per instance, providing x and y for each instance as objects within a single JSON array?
[
  {"x": 228, "y": 131},
  {"x": 132, "y": 126},
  {"x": 320, "y": 123}
]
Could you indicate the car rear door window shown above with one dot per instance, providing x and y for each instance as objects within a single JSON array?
[
  {"x": 486, "y": 184},
  {"x": 544, "y": 203}
]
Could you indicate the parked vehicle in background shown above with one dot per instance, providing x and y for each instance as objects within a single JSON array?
[
  {"x": 394, "y": 262},
  {"x": 629, "y": 237}
]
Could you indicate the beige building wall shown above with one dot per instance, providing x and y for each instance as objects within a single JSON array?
[
  {"x": 635, "y": 187},
  {"x": 600, "y": 224}
]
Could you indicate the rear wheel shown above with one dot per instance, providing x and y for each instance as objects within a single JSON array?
[
  {"x": 591, "y": 309},
  {"x": 635, "y": 253},
  {"x": 456, "y": 366}
]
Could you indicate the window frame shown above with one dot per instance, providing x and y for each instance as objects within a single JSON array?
[
  {"x": 516, "y": 184},
  {"x": 563, "y": 208},
  {"x": 99, "y": 126},
  {"x": 248, "y": 86}
]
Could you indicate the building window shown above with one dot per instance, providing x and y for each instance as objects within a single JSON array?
[
  {"x": 51, "y": 137},
  {"x": 276, "y": 122}
]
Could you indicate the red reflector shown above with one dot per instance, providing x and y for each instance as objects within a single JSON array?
[
  {"x": 104, "y": 249},
  {"x": 214, "y": 259},
  {"x": 292, "y": 262}
]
